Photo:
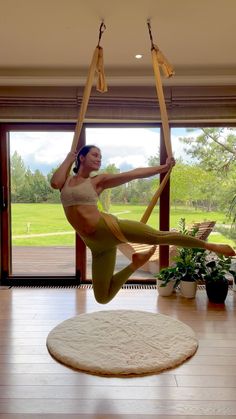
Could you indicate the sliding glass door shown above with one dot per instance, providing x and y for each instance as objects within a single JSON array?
[
  {"x": 37, "y": 239},
  {"x": 43, "y": 243}
]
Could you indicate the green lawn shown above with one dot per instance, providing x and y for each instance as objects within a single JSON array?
[{"x": 33, "y": 219}]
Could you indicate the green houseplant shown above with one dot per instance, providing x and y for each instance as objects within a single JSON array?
[
  {"x": 189, "y": 264},
  {"x": 215, "y": 278},
  {"x": 166, "y": 281},
  {"x": 188, "y": 269}
]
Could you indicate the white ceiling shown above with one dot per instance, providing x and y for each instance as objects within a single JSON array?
[{"x": 50, "y": 42}]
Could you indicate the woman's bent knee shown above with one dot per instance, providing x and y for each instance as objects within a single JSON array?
[{"x": 101, "y": 298}]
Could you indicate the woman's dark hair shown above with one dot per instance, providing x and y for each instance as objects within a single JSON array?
[{"x": 82, "y": 152}]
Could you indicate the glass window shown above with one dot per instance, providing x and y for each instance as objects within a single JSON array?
[
  {"x": 43, "y": 242},
  {"x": 203, "y": 180},
  {"x": 126, "y": 148}
]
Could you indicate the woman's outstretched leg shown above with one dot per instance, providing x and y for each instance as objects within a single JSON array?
[
  {"x": 137, "y": 232},
  {"x": 221, "y": 249}
]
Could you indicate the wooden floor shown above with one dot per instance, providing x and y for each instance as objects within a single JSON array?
[{"x": 33, "y": 385}]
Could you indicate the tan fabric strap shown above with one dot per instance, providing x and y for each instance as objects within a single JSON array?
[
  {"x": 96, "y": 66},
  {"x": 156, "y": 55},
  {"x": 155, "y": 198},
  {"x": 114, "y": 227},
  {"x": 101, "y": 82},
  {"x": 158, "y": 59}
]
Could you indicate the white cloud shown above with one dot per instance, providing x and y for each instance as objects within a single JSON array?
[
  {"x": 134, "y": 161},
  {"x": 45, "y": 147},
  {"x": 121, "y": 146},
  {"x": 125, "y": 145}
]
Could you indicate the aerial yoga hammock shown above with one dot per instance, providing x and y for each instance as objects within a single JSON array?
[{"x": 79, "y": 197}]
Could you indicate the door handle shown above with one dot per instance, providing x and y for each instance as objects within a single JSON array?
[{"x": 3, "y": 202}]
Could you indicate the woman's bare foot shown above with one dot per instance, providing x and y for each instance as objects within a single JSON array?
[
  {"x": 222, "y": 249},
  {"x": 139, "y": 258}
]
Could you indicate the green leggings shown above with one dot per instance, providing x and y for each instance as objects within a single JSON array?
[{"x": 103, "y": 245}]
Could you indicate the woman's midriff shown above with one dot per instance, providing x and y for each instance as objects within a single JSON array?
[{"x": 83, "y": 218}]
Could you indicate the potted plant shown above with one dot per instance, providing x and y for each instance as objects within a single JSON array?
[
  {"x": 166, "y": 281},
  {"x": 215, "y": 278},
  {"x": 233, "y": 272},
  {"x": 190, "y": 268},
  {"x": 190, "y": 265}
]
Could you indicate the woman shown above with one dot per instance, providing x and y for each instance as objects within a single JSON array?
[{"x": 103, "y": 232}]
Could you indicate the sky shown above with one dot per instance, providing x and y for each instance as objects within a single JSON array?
[{"x": 127, "y": 148}]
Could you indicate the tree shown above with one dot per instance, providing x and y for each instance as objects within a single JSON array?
[
  {"x": 214, "y": 148},
  {"x": 192, "y": 185},
  {"x": 140, "y": 191},
  {"x": 181, "y": 184},
  {"x": 54, "y": 194},
  {"x": 105, "y": 197},
  {"x": 27, "y": 194},
  {"x": 18, "y": 171},
  {"x": 40, "y": 186},
  {"x": 154, "y": 160},
  {"x": 27, "y": 186}
]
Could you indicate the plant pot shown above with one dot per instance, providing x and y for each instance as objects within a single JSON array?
[
  {"x": 188, "y": 289},
  {"x": 167, "y": 290},
  {"x": 217, "y": 290},
  {"x": 234, "y": 284}
]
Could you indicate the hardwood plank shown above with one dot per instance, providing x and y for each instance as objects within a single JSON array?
[
  {"x": 81, "y": 392},
  {"x": 212, "y": 360},
  {"x": 18, "y": 333},
  {"x": 81, "y": 379},
  {"x": 23, "y": 341},
  {"x": 26, "y": 359},
  {"x": 186, "y": 369},
  {"x": 55, "y": 367},
  {"x": 143, "y": 407},
  {"x": 219, "y": 343},
  {"x": 24, "y": 350},
  {"x": 204, "y": 381},
  {"x": 101, "y": 416},
  {"x": 212, "y": 351}
]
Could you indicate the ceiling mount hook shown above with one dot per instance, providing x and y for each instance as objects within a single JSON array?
[{"x": 101, "y": 30}]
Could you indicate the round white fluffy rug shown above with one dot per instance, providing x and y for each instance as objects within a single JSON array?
[{"x": 122, "y": 342}]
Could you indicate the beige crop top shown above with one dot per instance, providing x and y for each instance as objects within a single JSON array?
[{"x": 81, "y": 194}]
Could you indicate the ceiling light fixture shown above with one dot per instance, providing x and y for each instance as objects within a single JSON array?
[{"x": 138, "y": 56}]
